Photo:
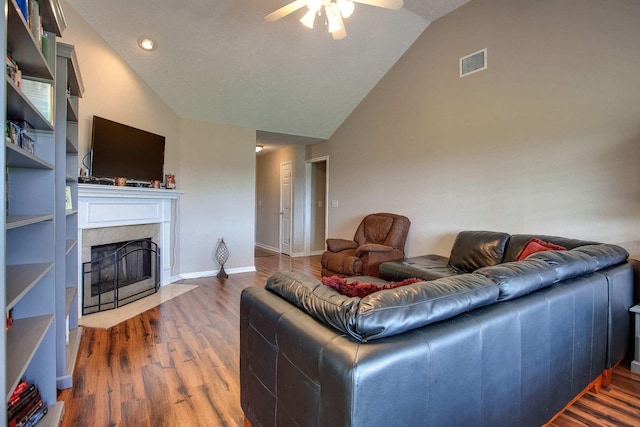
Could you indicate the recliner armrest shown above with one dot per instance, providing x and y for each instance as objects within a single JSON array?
[
  {"x": 338, "y": 245},
  {"x": 372, "y": 247}
]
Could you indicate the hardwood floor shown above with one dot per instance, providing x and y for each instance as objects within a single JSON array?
[{"x": 178, "y": 364}]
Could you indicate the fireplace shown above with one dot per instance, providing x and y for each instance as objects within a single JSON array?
[
  {"x": 109, "y": 215},
  {"x": 120, "y": 273}
]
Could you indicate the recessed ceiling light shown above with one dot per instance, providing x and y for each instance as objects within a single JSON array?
[{"x": 146, "y": 43}]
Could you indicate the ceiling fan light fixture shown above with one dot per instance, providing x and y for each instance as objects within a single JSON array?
[
  {"x": 346, "y": 8},
  {"x": 308, "y": 19},
  {"x": 332, "y": 20},
  {"x": 314, "y": 5}
]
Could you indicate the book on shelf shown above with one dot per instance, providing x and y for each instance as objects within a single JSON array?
[
  {"x": 47, "y": 45},
  {"x": 25, "y": 406},
  {"x": 20, "y": 133},
  {"x": 41, "y": 96},
  {"x": 35, "y": 22},
  {"x": 12, "y": 70},
  {"x": 37, "y": 416},
  {"x": 23, "y": 5},
  {"x": 20, "y": 388},
  {"x": 9, "y": 319}
]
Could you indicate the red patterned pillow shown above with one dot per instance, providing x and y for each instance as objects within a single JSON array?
[
  {"x": 360, "y": 289},
  {"x": 536, "y": 245}
]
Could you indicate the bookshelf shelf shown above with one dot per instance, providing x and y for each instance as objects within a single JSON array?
[
  {"x": 24, "y": 338},
  {"x": 71, "y": 243},
  {"x": 20, "y": 108},
  {"x": 19, "y": 158},
  {"x": 17, "y": 221},
  {"x": 72, "y": 114},
  {"x": 21, "y": 278},
  {"x": 54, "y": 416},
  {"x": 70, "y": 297}
]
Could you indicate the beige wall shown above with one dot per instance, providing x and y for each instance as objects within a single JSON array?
[
  {"x": 546, "y": 140},
  {"x": 214, "y": 164},
  {"x": 217, "y": 164}
]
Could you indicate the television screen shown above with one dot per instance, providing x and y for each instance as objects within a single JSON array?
[{"x": 119, "y": 150}]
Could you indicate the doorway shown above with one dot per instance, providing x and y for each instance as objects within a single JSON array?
[
  {"x": 316, "y": 206},
  {"x": 285, "y": 207}
]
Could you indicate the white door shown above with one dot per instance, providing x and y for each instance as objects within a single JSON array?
[{"x": 285, "y": 208}]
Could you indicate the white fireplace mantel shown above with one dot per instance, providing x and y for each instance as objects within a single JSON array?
[
  {"x": 109, "y": 206},
  {"x": 101, "y": 206}
]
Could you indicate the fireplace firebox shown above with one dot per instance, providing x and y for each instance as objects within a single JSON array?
[{"x": 120, "y": 273}]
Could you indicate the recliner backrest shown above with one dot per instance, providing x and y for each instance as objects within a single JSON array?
[{"x": 383, "y": 229}]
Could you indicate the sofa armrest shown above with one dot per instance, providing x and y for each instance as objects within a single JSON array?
[
  {"x": 338, "y": 245},
  {"x": 372, "y": 247}
]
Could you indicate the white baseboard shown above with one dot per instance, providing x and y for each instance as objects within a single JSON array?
[
  {"x": 267, "y": 248},
  {"x": 316, "y": 253},
  {"x": 199, "y": 274},
  {"x": 172, "y": 279}
]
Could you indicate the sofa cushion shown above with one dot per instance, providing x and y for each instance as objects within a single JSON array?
[
  {"x": 567, "y": 264},
  {"x": 388, "y": 312},
  {"x": 517, "y": 242},
  {"x": 475, "y": 249},
  {"x": 426, "y": 267},
  {"x": 605, "y": 255},
  {"x": 398, "y": 310},
  {"x": 536, "y": 245},
  {"x": 310, "y": 295},
  {"x": 519, "y": 278}
]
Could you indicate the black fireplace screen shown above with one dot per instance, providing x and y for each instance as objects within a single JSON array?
[{"x": 120, "y": 273}]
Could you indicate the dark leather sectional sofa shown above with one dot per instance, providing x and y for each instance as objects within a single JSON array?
[{"x": 489, "y": 342}]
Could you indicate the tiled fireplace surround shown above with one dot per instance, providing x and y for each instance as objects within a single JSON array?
[{"x": 108, "y": 214}]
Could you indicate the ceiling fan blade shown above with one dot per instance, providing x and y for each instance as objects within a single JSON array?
[
  {"x": 342, "y": 32},
  {"x": 387, "y": 4},
  {"x": 285, "y": 10}
]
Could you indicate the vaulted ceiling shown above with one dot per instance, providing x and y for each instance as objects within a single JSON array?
[{"x": 220, "y": 61}]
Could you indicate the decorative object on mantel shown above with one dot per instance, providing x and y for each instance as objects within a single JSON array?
[
  {"x": 154, "y": 183},
  {"x": 121, "y": 181},
  {"x": 222, "y": 255},
  {"x": 170, "y": 181}
]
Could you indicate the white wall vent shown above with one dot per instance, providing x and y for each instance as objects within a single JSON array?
[{"x": 475, "y": 62}]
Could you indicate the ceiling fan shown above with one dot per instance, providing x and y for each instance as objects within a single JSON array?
[{"x": 334, "y": 12}]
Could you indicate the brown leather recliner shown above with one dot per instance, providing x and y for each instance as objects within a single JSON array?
[{"x": 379, "y": 238}]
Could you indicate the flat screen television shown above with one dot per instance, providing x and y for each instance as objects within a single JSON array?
[{"x": 119, "y": 150}]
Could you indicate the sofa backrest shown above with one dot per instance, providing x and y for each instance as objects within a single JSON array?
[
  {"x": 476, "y": 249},
  {"x": 518, "y": 241}
]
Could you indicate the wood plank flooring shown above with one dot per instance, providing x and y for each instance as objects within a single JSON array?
[{"x": 178, "y": 364}]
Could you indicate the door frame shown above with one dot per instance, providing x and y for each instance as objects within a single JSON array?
[{"x": 308, "y": 203}]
